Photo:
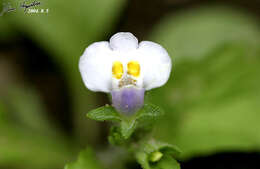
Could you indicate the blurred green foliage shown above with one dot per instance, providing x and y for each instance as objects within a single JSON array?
[
  {"x": 212, "y": 97},
  {"x": 64, "y": 33},
  {"x": 86, "y": 160},
  {"x": 27, "y": 139}
]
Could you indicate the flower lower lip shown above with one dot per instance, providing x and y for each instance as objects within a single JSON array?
[{"x": 128, "y": 100}]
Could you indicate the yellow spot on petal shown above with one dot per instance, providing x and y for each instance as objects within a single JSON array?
[
  {"x": 133, "y": 68},
  {"x": 117, "y": 69}
]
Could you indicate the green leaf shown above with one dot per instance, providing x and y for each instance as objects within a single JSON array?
[
  {"x": 86, "y": 160},
  {"x": 157, "y": 155},
  {"x": 115, "y": 136},
  {"x": 104, "y": 113},
  {"x": 149, "y": 112},
  {"x": 148, "y": 116},
  {"x": 127, "y": 127},
  {"x": 212, "y": 98},
  {"x": 142, "y": 159},
  {"x": 143, "y": 118},
  {"x": 165, "y": 148},
  {"x": 166, "y": 162}
]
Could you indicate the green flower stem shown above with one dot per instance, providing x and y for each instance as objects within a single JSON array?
[{"x": 133, "y": 133}]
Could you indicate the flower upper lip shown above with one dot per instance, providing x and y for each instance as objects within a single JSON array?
[{"x": 145, "y": 65}]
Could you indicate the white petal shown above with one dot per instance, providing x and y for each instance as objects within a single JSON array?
[
  {"x": 156, "y": 64},
  {"x": 123, "y": 41},
  {"x": 95, "y": 67}
]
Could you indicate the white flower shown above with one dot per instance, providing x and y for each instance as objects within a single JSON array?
[{"x": 125, "y": 68}]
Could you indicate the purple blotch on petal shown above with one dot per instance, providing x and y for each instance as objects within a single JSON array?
[{"x": 128, "y": 100}]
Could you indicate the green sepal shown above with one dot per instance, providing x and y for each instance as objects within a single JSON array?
[
  {"x": 119, "y": 134},
  {"x": 147, "y": 116},
  {"x": 115, "y": 136},
  {"x": 107, "y": 113},
  {"x": 127, "y": 127},
  {"x": 149, "y": 111},
  {"x": 141, "y": 119}
]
